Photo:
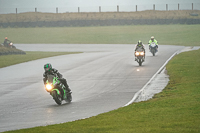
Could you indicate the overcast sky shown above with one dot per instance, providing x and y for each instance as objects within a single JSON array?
[
  {"x": 61, "y": 3},
  {"x": 84, "y": 3}
]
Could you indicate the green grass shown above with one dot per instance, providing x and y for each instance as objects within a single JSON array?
[
  {"x": 7, "y": 60},
  {"x": 175, "y": 110},
  {"x": 184, "y": 35}
]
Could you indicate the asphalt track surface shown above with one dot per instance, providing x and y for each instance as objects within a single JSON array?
[{"x": 102, "y": 78}]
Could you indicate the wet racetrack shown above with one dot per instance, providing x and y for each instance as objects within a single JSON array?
[{"x": 102, "y": 78}]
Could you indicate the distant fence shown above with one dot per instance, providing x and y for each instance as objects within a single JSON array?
[
  {"x": 107, "y": 22},
  {"x": 74, "y": 21},
  {"x": 117, "y": 8}
]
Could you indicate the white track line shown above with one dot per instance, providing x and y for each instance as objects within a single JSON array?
[{"x": 139, "y": 92}]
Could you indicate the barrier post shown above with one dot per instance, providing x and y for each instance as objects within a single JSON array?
[
  {"x": 178, "y": 6},
  {"x": 117, "y": 8},
  {"x": 166, "y": 7},
  {"x": 136, "y": 8},
  {"x": 192, "y": 6}
]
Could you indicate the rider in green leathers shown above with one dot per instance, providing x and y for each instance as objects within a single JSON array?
[
  {"x": 49, "y": 70},
  {"x": 153, "y": 40}
]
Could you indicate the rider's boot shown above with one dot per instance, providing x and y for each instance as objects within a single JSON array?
[
  {"x": 66, "y": 85},
  {"x": 68, "y": 90}
]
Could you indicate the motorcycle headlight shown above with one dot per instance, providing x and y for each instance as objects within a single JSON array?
[
  {"x": 48, "y": 87},
  {"x": 137, "y": 53},
  {"x": 142, "y": 53}
]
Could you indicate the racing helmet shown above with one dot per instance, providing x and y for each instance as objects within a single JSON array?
[
  {"x": 47, "y": 67},
  {"x": 152, "y": 38},
  {"x": 139, "y": 43},
  {"x": 6, "y": 38}
]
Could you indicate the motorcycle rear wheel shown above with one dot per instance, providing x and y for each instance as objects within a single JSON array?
[{"x": 69, "y": 98}]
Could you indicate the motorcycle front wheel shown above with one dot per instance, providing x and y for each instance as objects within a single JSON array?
[
  {"x": 140, "y": 62},
  {"x": 153, "y": 52},
  {"x": 57, "y": 98}
]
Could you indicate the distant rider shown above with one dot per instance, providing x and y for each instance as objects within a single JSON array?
[
  {"x": 49, "y": 70},
  {"x": 153, "y": 40},
  {"x": 6, "y": 42},
  {"x": 139, "y": 45}
]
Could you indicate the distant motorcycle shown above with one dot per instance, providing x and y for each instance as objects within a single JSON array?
[
  {"x": 9, "y": 45},
  {"x": 57, "y": 90},
  {"x": 153, "y": 48},
  {"x": 140, "y": 56}
]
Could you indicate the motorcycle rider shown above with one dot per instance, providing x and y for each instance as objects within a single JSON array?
[
  {"x": 139, "y": 45},
  {"x": 153, "y": 40},
  {"x": 49, "y": 70},
  {"x": 6, "y": 42}
]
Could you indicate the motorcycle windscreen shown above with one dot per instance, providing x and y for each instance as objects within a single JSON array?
[
  {"x": 50, "y": 78},
  {"x": 140, "y": 50}
]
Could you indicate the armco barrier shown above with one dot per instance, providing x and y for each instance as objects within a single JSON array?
[{"x": 107, "y": 22}]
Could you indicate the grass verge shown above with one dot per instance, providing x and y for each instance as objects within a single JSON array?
[
  {"x": 183, "y": 35},
  {"x": 7, "y": 60},
  {"x": 175, "y": 110}
]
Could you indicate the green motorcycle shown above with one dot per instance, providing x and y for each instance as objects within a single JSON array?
[{"x": 57, "y": 90}]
